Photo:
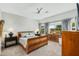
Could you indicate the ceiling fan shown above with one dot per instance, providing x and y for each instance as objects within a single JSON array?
[{"x": 39, "y": 10}]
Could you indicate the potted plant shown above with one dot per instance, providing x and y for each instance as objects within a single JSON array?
[{"x": 73, "y": 26}]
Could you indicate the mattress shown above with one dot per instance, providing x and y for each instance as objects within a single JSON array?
[{"x": 23, "y": 40}]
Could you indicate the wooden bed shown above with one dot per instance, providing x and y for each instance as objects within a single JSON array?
[{"x": 34, "y": 43}]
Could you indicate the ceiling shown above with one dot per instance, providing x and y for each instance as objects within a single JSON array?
[{"x": 29, "y": 9}]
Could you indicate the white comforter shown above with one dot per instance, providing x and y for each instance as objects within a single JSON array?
[{"x": 23, "y": 42}]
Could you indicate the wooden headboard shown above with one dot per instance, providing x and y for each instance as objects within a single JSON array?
[{"x": 24, "y": 32}]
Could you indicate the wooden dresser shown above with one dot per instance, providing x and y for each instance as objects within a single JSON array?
[{"x": 70, "y": 43}]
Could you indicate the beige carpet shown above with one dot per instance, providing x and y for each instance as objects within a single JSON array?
[{"x": 52, "y": 49}]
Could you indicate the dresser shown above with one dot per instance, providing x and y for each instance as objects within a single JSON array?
[{"x": 70, "y": 43}]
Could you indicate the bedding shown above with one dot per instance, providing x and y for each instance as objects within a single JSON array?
[
  {"x": 32, "y": 43},
  {"x": 23, "y": 40}
]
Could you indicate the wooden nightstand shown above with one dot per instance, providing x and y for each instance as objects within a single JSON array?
[{"x": 11, "y": 41}]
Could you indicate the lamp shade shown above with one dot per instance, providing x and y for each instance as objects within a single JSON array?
[{"x": 10, "y": 29}]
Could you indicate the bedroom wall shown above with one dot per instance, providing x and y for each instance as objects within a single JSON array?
[
  {"x": 18, "y": 23},
  {"x": 0, "y": 15},
  {"x": 70, "y": 24},
  {"x": 60, "y": 17}
]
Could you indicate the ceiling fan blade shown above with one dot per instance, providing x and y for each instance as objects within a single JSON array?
[{"x": 39, "y": 10}]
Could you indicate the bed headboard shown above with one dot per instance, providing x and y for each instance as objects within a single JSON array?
[{"x": 24, "y": 33}]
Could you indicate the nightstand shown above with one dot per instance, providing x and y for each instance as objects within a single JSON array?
[{"x": 11, "y": 41}]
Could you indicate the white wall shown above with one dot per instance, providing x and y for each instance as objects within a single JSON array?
[
  {"x": 70, "y": 24},
  {"x": 60, "y": 17},
  {"x": 0, "y": 15},
  {"x": 18, "y": 23}
]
